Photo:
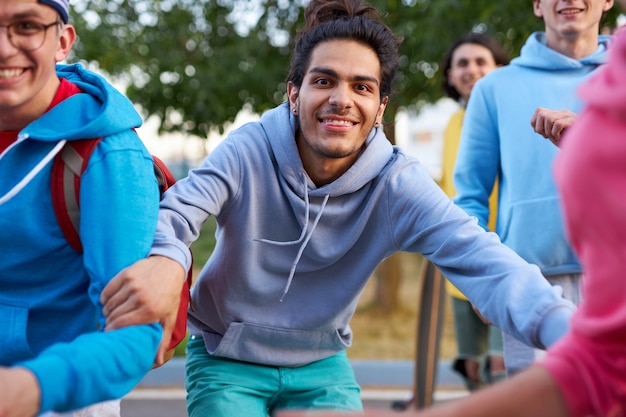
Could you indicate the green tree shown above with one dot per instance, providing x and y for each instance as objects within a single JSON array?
[{"x": 196, "y": 63}]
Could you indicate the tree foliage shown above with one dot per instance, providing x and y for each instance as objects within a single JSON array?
[{"x": 196, "y": 63}]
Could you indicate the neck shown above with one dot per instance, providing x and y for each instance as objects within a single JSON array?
[
  {"x": 575, "y": 47},
  {"x": 18, "y": 116}
]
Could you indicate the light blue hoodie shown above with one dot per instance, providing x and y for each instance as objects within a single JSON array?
[
  {"x": 49, "y": 293},
  {"x": 498, "y": 141},
  {"x": 292, "y": 258}
]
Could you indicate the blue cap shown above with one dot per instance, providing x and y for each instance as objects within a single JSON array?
[{"x": 61, "y": 6}]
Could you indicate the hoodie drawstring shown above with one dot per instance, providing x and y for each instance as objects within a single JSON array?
[
  {"x": 36, "y": 170},
  {"x": 304, "y": 236}
]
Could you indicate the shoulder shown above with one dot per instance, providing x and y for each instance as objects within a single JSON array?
[
  {"x": 124, "y": 141},
  {"x": 405, "y": 172}
]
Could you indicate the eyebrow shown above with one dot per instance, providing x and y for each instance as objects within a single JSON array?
[
  {"x": 27, "y": 15},
  {"x": 332, "y": 73}
]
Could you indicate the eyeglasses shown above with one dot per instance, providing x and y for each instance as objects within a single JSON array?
[{"x": 27, "y": 36}]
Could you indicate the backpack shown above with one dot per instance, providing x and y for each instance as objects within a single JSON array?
[{"x": 67, "y": 169}]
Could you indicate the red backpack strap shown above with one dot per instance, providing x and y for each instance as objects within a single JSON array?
[
  {"x": 164, "y": 176},
  {"x": 166, "y": 179},
  {"x": 67, "y": 168}
]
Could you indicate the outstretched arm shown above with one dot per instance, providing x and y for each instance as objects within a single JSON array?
[
  {"x": 146, "y": 292},
  {"x": 532, "y": 393}
]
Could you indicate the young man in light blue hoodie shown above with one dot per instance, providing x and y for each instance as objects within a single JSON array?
[
  {"x": 54, "y": 352},
  {"x": 507, "y": 112},
  {"x": 308, "y": 201}
]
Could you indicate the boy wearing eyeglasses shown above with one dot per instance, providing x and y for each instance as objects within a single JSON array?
[{"x": 54, "y": 354}]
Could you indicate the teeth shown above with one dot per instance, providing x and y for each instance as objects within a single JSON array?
[
  {"x": 568, "y": 11},
  {"x": 337, "y": 122},
  {"x": 7, "y": 73}
]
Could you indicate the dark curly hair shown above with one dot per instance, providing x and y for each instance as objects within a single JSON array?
[
  {"x": 497, "y": 51},
  {"x": 328, "y": 20}
]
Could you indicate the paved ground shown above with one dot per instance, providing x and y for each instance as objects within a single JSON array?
[
  {"x": 384, "y": 383},
  {"x": 168, "y": 402}
]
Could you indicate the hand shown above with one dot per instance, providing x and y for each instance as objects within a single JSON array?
[
  {"x": 481, "y": 317},
  {"x": 20, "y": 395},
  {"x": 552, "y": 123},
  {"x": 366, "y": 413},
  {"x": 146, "y": 292}
]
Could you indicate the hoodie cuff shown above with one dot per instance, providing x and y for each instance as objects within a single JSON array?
[
  {"x": 555, "y": 325},
  {"x": 176, "y": 251}
]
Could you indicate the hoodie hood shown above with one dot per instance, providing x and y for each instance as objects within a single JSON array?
[
  {"x": 103, "y": 110},
  {"x": 100, "y": 110},
  {"x": 536, "y": 54},
  {"x": 280, "y": 128}
]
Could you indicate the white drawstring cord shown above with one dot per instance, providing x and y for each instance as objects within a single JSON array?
[{"x": 20, "y": 185}]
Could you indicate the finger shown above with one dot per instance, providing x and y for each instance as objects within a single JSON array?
[
  {"x": 168, "y": 323},
  {"x": 131, "y": 318},
  {"x": 114, "y": 302},
  {"x": 542, "y": 124},
  {"x": 548, "y": 122},
  {"x": 533, "y": 120},
  {"x": 129, "y": 313},
  {"x": 112, "y": 287},
  {"x": 163, "y": 348}
]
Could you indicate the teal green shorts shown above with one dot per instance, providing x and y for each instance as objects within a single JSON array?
[{"x": 220, "y": 387}]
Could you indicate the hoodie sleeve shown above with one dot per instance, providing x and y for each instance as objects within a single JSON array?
[
  {"x": 507, "y": 290},
  {"x": 119, "y": 207},
  {"x": 189, "y": 203},
  {"x": 478, "y": 157}
]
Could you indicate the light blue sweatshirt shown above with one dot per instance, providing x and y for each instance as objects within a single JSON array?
[
  {"x": 497, "y": 140},
  {"x": 292, "y": 258},
  {"x": 50, "y": 294}
]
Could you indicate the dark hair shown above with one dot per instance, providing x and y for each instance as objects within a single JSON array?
[
  {"x": 497, "y": 51},
  {"x": 350, "y": 20}
]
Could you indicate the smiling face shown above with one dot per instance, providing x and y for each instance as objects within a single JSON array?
[
  {"x": 470, "y": 62},
  {"x": 28, "y": 80},
  {"x": 337, "y": 105},
  {"x": 572, "y": 24}
]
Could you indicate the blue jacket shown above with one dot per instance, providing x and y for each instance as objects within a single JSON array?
[
  {"x": 497, "y": 140},
  {"x": 49, "y": 293},
  {"x": 292, "y": 258}
]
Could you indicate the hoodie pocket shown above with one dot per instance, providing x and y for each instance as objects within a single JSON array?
[
  {"x": 13, "y": 342},
  {"x": 535, "y": 231},
  {"x": 276, "y": 346}
]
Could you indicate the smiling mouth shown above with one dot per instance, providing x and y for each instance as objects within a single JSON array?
[
  {"x": 10, "y": 73},
  {"x": 337, "y": 122},
  {"x": 570, "y": 11}
]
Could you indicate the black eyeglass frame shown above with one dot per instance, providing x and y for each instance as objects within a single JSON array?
[{"x": 42, "y": 28}]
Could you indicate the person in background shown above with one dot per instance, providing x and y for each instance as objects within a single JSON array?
[
  {"x": 582, "y": 375},
  {"x": 468, "y": 59},
  {"x": 54, "y": 353},
  {"x": 497, "y": 142},
  {"x": 308, "y": 201}
]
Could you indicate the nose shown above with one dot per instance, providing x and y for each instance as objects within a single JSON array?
[
  {"x": 341, "y": 96},
  {"x": 6, "y": 47},
  {"x": 473, "y": 67}
]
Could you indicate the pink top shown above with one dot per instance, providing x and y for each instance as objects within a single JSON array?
[{"x": 589, "y": 364}]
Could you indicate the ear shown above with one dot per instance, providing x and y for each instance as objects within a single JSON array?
[
  {"x": 381, "y": 109},
  {"x": 608, "y": 5},
  {"x": 66, "y": 42},
  {"x": 537, "y": 8},
  {"x": 293, "y": 93}
]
